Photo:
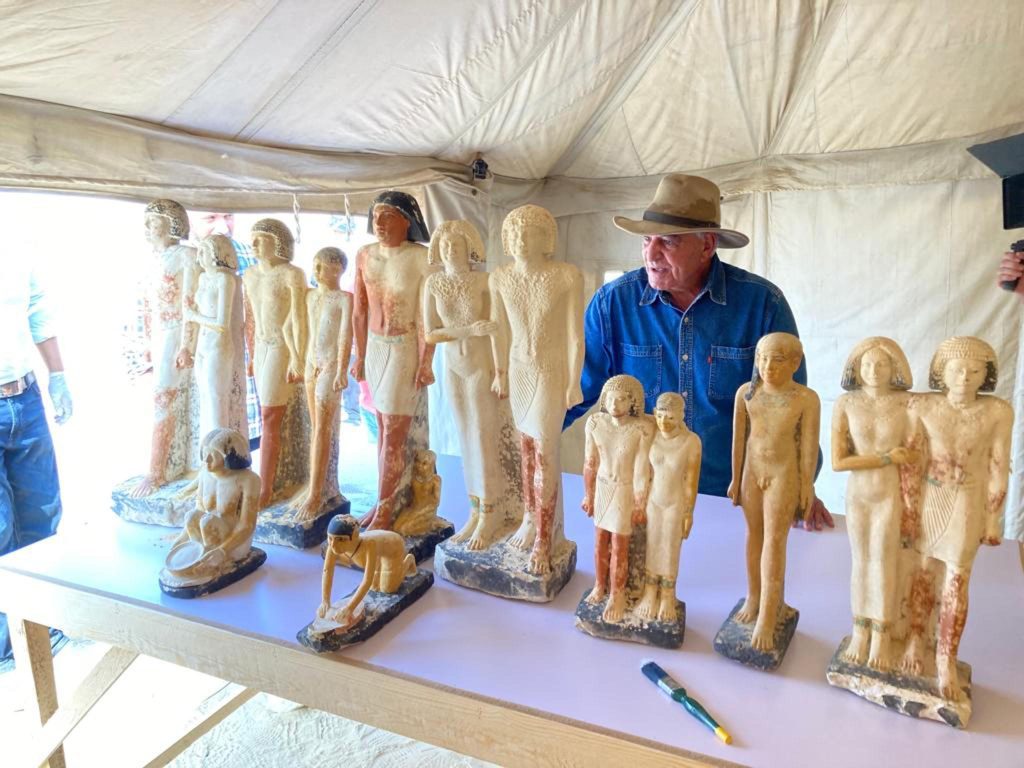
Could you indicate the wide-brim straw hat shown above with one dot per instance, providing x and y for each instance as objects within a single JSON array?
[{"x": 684, "y": 204}]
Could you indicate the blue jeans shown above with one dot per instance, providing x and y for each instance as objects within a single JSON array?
[{"x": 29, "y": 489}]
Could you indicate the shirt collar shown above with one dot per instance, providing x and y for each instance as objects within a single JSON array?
[{"x": 714, "y": 286}]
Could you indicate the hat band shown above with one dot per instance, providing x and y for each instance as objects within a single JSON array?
[{"x": 668, "y": 218}]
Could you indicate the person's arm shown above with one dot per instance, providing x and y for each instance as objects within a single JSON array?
[
  {"x": 598, "y": 364},
  {"x": 1012, "y": 268},
  {"x": 739, "y": 444},
  {"x": 575, "y": 336},
  {"x": 248, "y": 511},
  {"x": 299, "y": 337},
  {"x": 642, "y": 474},
  {"x": 499, "y": 339},
  {"x": 360, "y": 317},
  {"x": 692, "y": 482},
  {"x": 810, "y": 423},
  {"x": 40, "y": 323},
  {"x": 999, "y": 475},
  {"x": 591, "y": 462},
  {"x": 344, "y": 342},
  {"x": 370, "y": 568},
  {"x": 327, "y": 582},
  {"x": 248, "y": 326}
]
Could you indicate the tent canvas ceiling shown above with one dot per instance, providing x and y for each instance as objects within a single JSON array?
[{"x": 837, "y": 129}]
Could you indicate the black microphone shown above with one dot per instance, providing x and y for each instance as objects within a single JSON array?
[{"x": 1011, "y": 285}]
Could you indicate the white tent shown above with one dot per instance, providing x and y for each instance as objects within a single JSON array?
[{"x": 836, "y": 129}]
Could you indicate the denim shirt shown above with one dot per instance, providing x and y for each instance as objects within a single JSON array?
[{"x": 705, "y": 353}]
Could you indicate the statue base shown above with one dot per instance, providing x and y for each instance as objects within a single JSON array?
[
  {"x": 378, "y": 607},
  {"x": 733, "y": 639},
  {"x": 237, "y": 570},
  {"x": 162, "y": 507},
  {"x": 915, "y": 696},
  {"x": 420, "y": 547},
  {"x": 501, "y": 570},
  {"x": 277, "y": 524},
  {"x": 664, "y": 634}
]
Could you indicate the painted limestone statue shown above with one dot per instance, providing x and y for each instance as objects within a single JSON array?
[
  {"x": 871, "y": 438},
  {"x": 392, "y": 355},
  {"x": 774, "y": 456},
  {"x": 174, "y": 434},
  {"x": 675, "y": 456},
  {"x": 389, "y": 584},
  {"x": 967, "y": 440},
  {"x": 538, "y": 306},
  {"x": 329, "y": 317},
  {"x": 215, "y": 547},
  {"x": 276, "y": 294},
  {"x": 215, "y": 310}
]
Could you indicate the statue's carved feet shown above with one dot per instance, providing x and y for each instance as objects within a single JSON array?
[
  {"x": 763, "y": 638},
  {"x": 540, "y": 561},
  {"x": 307, "y": 508},
  {"x": 648, "y": 603},
  {"x": 880, "y": 658},
  {"x": 466, "y": 531},
  {"x": 949, "y": 681},
  {"x": 524, "y": 535},
  {"x": 597, "y": 595},
  {"x": 857, "y": 650},
  {"x": 377, "y": 519},
  {"x": 912, "y": 663},
  {"x": 146, "y": 487},
  {"x": 748, "y": 613},
  {"x": 667, "y": 608},
  {"x": 615, "y": 609}
]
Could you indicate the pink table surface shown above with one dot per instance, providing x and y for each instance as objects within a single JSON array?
[{"x": 531, "y": 655}]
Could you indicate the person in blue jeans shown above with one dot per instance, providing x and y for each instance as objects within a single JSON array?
[
  {"x": 29, "y": 489},
  {"x": 686, "y": 322}
]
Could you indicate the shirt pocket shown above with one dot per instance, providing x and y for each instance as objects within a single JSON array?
[
  {"x": 643, "y": 362},
  {"x": 731, "y": 367}
]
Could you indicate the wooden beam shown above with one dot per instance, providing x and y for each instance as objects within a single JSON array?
[
  {"x": 44, "y": 743},
  {"x": 34, "y": 664},
  {"x": 236, "y": 697}
]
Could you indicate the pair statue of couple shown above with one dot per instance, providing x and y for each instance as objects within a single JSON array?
[
  {"x": 638, "y": 473},
  {"x": 928, "y": 482}
]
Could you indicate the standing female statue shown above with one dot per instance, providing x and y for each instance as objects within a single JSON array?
[
  {"x": 456, "y": 312},
  {"x": 871, "y": 430},
  {"x": 219, "y": 358}
]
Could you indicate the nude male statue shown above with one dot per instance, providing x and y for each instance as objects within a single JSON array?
[
  {"x": 392, "y": 355},
  {"x": 275, "y": 291},
  {"x": 774, "y": 455},
  {"x": 961, "y": 504},
  {"x": 615, "y": 480},
  {"x": 330, "y": 341},
  {"x": 176, "y": 275},
  {"x": 538, "y": 306}
]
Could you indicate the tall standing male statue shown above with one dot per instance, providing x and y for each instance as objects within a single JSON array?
[
  {"x": 961, "y": 500},
  {"x": 276, "y": 293},
  {"x": 392, "y": 355},
  {"x": 330, "y": 342},
  {"x": 774, "y": 454},
  {"x": 174, "y": 438},
  {"x": 538, "y": 305}
]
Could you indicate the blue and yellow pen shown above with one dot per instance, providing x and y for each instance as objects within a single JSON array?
[{"x": 663, "y": 680}]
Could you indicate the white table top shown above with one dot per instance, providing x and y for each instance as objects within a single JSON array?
[{"x": 532, "y": 656}]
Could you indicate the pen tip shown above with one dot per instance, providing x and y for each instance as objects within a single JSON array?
[{"x": 725, "y": 737}]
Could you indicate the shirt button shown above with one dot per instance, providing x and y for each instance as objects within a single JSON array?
[
  {"x": 686, "y": 319},
  {"x": 685, "y": 358}
]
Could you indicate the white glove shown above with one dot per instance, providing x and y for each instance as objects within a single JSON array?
[{"x": 60, "y": 396}]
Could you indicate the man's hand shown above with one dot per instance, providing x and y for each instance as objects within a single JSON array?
[
  {"x": 639, "y": 516},
  {"x": 483, "y": 328},
  {"x": 184, "y": 359},
  {"x": 340, "y": 380},
  {"x": 424, "y": 377},
  {"x": 588, "y": 506},
  {"x": 734, "y": 493},
  {"x": 358, "y": 369},
  {"x": 816, "y": 517},
  {"x": 321, "y": 612},
  {"x": 1010, "y": 268},
  {"x": 500, "y": 385},
  {"x": 60, "y": 396}
]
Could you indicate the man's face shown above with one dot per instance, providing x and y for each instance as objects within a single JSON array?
[
  {"x": 390, "y": 226},
  {"x": 215, "y": 224},
  {"x": 964, "y": 377},
  {"x": 527, "y": 240},
  {"x": 673, "y": 262},
  {"x": 454, "y": 254},
  {"x": 264, "y": 246},
  {"x": 158, "y": 230},
  {"x": 775, "y": 366},
  {"x": 617, "y": 403}
]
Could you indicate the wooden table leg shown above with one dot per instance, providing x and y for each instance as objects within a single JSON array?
[{"x": 34, "y": 665}]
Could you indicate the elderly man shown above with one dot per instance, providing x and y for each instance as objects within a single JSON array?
[{"x": 686, "y": 322}]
